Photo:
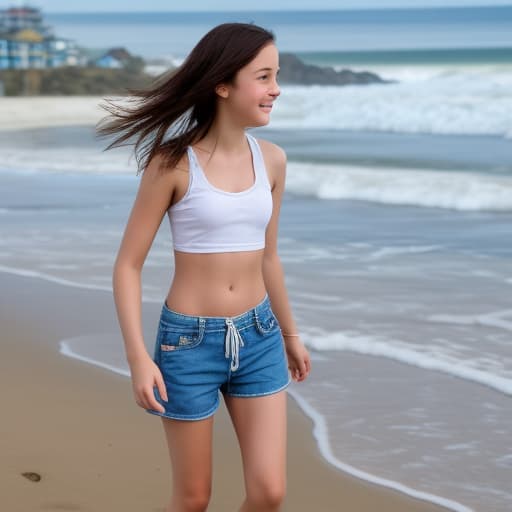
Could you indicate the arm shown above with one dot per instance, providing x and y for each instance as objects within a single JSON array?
[
  {"x": 153, "y": 197},
  {"x": 150, "y": 204},
  {"x": 273, "y": 274}
]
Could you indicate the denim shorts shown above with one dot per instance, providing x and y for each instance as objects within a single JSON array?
[{"x": 199, "y": 356}]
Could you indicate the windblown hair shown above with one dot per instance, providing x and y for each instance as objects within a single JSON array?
[{"x": 183, "y": 100}]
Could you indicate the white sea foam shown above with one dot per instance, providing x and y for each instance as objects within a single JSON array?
[
  {"x": 66, "y": 282},
  {"x": 432, "y": 359},
  {"x": 493, "y": 319},
  {"x": 69, "y": 160},
  {"x": 457, "y": 101},
  {"x": 65, "y": 349},
  {"x": 421, "y": 187},
  {"x": 414, "y": 73},
  {"x": 320, "y": 432}
]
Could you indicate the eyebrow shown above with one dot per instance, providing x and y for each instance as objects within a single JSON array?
[{"x": 266, "y": 69}]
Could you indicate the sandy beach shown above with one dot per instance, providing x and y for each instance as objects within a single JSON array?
[
  {"x": 78, "y": 426},
  {"x": 21, "y": 112}
]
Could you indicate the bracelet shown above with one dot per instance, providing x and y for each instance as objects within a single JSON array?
[{"x": 287, "y": 334}]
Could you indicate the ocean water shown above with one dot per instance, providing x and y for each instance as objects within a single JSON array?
[
  {"x": 429, "y": 52},
  {"x": 395, "y": 233}
]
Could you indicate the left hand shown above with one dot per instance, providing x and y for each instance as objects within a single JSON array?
[{"x": 299, "y": 361}]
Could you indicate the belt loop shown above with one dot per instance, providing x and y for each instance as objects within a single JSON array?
[{"x": 202, "y": 326}]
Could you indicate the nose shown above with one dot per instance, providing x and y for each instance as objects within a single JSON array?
[{"x": 276, "y": 91}]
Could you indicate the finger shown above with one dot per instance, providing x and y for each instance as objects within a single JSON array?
[
  {"x": 139, "y": 398},
  {"x": 305, "y": 368},
  {"x": 141, "y": 401},
  {"x": 152, "y": 402},
  {"x": 162, "y": 389}
]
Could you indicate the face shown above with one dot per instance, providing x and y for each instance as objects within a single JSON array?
[{"x": 249, "y": 99}]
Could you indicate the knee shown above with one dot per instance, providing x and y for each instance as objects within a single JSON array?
[
  {"x": 197, "y": 503},
  {"x": 195, "y": 500},
  {"x": 269, "y": 496}
]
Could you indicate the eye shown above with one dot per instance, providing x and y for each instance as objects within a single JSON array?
[{"x": 263, "y": 76}]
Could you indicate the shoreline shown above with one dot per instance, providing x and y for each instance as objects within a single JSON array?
[
  {"x": 76, "y": 311},
  {"x": 46, "y": 111}
]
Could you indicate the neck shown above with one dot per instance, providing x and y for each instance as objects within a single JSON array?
[{"x": 224, "y": 137}]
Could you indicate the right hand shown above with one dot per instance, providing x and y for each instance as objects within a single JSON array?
[{"x": 146, "y": 375}]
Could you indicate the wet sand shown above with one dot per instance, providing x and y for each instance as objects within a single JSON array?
[{"x": 78, "y": 426}]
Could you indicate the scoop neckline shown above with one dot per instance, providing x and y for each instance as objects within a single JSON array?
[{"x": 226, "y": 192}]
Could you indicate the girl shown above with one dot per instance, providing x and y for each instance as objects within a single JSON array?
[{"x": 226, "y": 322}]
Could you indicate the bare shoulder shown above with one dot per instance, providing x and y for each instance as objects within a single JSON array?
[
  {"x": 275, "y": 161},
  {"x": 275, "y": 154},
  {"x": 157, "y": 186},
  {"x": 158, "y": 168},
  {"x": 168, "y": 178}
]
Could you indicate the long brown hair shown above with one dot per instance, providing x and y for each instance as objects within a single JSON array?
[{"x": 183, "y": 99}]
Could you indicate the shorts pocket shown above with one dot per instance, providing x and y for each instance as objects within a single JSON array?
[
  {"x": 266, "y": 322},
  {"x": 171, "y": 339}
]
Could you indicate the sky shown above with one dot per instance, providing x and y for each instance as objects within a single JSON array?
[{"x": 235, "y": 5}]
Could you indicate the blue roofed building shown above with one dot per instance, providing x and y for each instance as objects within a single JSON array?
[
  {"x": 114, "y": 58},
  {"x": 26, "y": 42}
]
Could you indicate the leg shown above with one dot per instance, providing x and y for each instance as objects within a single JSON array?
[
  {"x": 260, "y": 425},
  {"x": 190, "y": 451}
]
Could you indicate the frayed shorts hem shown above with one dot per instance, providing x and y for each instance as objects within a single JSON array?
[
  {"x": 261, "y": 394},
  {"x": 207, "y": 414}
]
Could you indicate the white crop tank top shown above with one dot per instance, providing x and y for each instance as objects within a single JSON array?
[{"x": 209, "y": 219}]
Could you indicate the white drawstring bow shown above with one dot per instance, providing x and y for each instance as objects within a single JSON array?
[{"x": 233, "y": 342}]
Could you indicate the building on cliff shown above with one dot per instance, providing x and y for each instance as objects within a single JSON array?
[{"x": 26, "y": 42}]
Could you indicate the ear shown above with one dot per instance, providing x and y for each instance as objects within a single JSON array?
[{"x": 222, "y": 90}]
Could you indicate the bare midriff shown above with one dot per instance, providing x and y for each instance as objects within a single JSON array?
[{"x": 216, "y": 284}]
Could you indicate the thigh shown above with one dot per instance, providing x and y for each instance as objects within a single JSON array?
[
  {"x": 260, "y": 424},
  {"x": 190, "y": 451}
]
